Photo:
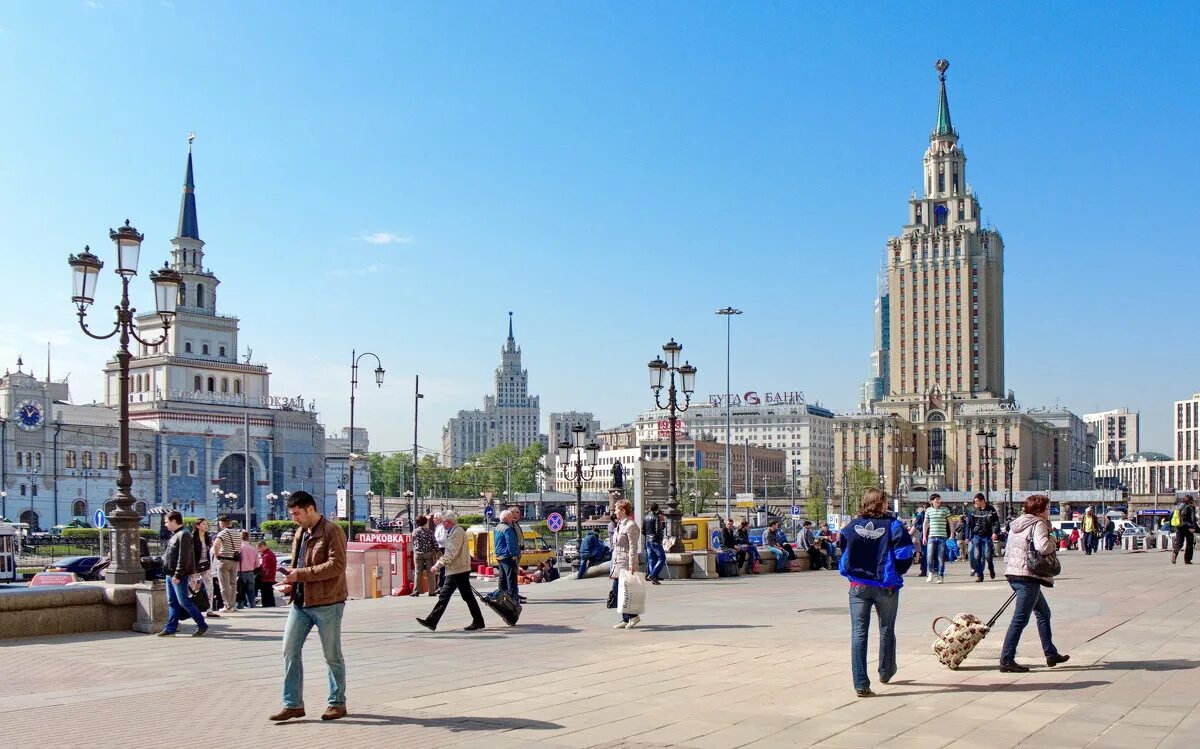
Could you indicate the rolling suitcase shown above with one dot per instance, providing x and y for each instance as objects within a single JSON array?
[
  {"x": 965, "y": 632},
  {"x": 505, "y": 606}
]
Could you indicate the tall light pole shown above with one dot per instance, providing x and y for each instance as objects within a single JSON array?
[
  {"x": 127, "y": 565},
  {"x": 1010, "y": 462},
  {"x": 417, "y": 396},
  {"x": 354, "y": 358},
  {"x": 659, "y": 369},
  {"x": 729, "y": 312},
  {"x": 583, "y": 469},
  {"x": 987, "y": 456}
]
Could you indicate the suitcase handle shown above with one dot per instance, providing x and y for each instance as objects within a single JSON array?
[{"x": 935, "y": 621}]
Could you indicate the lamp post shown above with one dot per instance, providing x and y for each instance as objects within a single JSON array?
[
  {"x": 3, "y": 504},
  {"x": 217, "y": 498},
  {"x": 370, "y": 495},
  {"x": 987, "y": 454},
  {"x": 583, "y": 469},
  {"x": 408, "y": 502},
  {"x": 231, "y": 498},
  {"x": 354, "y": 359},
  {"x": 729, "y": 312},
  {"x": 687, "y": 375},
  {"x": 1010, "y": 462},
  {"x": 126, "y": 568}
]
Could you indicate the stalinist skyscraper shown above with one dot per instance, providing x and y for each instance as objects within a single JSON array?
[{"x": 940, "y": 329}]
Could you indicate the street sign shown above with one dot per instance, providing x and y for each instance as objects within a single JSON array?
[
  {"x": 715, "y": 540},
  {"x": 488, "y": 511},
  {"x": 554, "y": 522},
  {"x": 341, "y": 503},
  {"x": 795, "y": 511},
  {"x": 747, "y": 503},
  {"x": 99, "y": 519}
]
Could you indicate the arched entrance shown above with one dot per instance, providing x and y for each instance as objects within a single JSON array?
[
  {"x": 31, "y": 518},
  {"x": 232, "y": 475}
]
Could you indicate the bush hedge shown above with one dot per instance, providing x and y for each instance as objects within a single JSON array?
[
  {"x": 277, "y": 527},
  {"x": 94, "y": 533}
]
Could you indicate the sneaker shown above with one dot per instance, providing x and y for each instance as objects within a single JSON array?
[
  {"x": 978, "y": 579},
  {"x": 929, "y": 579},
  {"x": 940, "y": 579},
  {"x": 632, "y": 622},
  {"x": 864, "y": 692},
  {"x": 1013, "y": 668},
  {"x": 619, "y": 625},
  {"x": 200, "y": 632}
]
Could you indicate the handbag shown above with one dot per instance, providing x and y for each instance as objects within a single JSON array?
[
  {"x": 1041, "y": 565},
  {"x": 611, "y": 603},
  {"x": 199, "y": 598},
  {"x": 631, "y": 592}
]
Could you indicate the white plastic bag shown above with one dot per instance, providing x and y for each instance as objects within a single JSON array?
[{"x": 631, "y": 592}]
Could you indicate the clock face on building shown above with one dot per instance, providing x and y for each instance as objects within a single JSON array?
[{"x": 28, "y": 416}]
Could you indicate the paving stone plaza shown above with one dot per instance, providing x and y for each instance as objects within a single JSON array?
[{"x": 739, "y": 662}]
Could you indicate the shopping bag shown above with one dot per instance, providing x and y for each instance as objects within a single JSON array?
[{"x": 631, "y": 592}]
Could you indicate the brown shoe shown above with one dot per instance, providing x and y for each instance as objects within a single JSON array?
[
  {"x": 333, "y": 712},
  {"x": 288, "y": 713}
]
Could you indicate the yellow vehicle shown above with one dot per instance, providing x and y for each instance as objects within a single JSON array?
[
  {"x": 698, "y": 533},
  {"x": 481, "y": 541}
]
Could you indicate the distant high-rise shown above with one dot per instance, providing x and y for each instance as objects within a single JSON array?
[
  {"x": 509, "y": 416},
  {"x": 876, "y": 387}
]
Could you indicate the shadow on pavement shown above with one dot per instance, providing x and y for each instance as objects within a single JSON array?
[
  {"x": 543, "y": 629},
  {"x": 1014, "y": 687},
  {"x": 454, "y": 724},
  {"x": 1174, "y": 664},
  {"x": 566, "y": 600},
  {"x": 694, "y": 627}
]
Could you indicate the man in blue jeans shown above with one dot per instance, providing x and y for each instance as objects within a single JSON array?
[
  {"x": 876, "y": 552},
  {"x": 317, "y": 587},
  {"x": 508, "y": 553},
  {"x": 179, "y": 564},
  {"x": 983, "y": 528},
  {"x": 936, "y": 531},
  {"x": 652, "y": 530}
]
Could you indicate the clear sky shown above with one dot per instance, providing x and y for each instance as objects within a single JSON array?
[{"x": 397, "y": 176}]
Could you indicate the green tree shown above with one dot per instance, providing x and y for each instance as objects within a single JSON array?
[
  {"x": 858, "y": 480},
  {"x": 817, "y": 505}
]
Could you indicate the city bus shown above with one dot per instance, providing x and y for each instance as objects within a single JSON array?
[{"x": 8, "y": 553}]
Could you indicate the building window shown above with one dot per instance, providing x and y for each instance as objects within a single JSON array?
[
  {"x": 211, "y": 385},
  {"x": 87, "y": 458},
  {"x": 103, "y": 460},
  {"x": 199, "y": 295},
  {"x": 187, "y": 347},
  {"x": 224, "y": 384},
  {"x": 79, "y": 508},
  {"x": 182, "y": 295},
  {"x": 174, "y": 467},
  {"x": 204, "y": 349},
  {"x": 191, "y": 468},
  {"x": 33, "y": 490},
  {"x": 22, "y": 490},
  {"x": 237, "y": 387},
  {"x": 70, "y": 459},
  {"x": 147, "y": 462},
  {"x": 222, "y": 349},
  {"x": 20, "y": 459}
]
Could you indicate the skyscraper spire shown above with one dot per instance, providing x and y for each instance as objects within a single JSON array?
[
  {"x": 189, "y": 226},
  {"x": 943, "y": 126},
  {"x": 510, "y": 332}
]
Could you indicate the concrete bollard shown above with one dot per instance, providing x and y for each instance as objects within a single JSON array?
[{"x": 151, "y": 597}]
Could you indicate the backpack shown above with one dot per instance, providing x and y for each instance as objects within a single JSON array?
[{"x": 1176, "y": 520}]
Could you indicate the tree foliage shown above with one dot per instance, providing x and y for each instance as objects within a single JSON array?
[{"x": 391, "y": 475}]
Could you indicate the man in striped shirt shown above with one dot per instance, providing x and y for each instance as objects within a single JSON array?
[{"x": 936, "y": 531}]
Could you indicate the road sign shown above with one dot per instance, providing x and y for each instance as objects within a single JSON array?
[
  {"x": 99, "y": 519},
  {"x": 341, "y": 503},
  {"x": 554, "y": 522},
  {"x": 795, "y": 511},
  {"x": 488, "y": 511},
  {"x": 715, "y": 540}
]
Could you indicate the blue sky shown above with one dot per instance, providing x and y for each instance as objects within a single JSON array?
[{"x": 613, "y": 173}]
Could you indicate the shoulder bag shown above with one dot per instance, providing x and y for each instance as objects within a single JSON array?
[{"x": 1041, "y": 565}]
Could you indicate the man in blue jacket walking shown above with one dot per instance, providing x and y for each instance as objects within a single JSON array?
[
  {"x": 508, "y": 553},
  {"x": 876, "y": 552}
]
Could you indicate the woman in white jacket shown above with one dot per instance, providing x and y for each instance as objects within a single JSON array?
[
  {"x": 1035, "y": 525},
  {"x": 624, "y": 554}
]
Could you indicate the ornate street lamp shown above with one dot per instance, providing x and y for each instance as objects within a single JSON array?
[
  {"x": 354, "y": 358},
  {"x": 987, "y": 458},
  {"x": 85, "y": 267},
  {"x": 1010, "y": 462},
  {"x": 583, "y": 469},
  {"x": 659, "y": 371}
]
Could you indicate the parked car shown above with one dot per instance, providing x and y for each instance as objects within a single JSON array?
[{"x": 82, "y": 567}]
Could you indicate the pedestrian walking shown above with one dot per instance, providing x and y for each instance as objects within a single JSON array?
[
  {"x": 624, "y": 554},
  {"x": 918, "y": 530},
  {"x": 227, "y": 548},
  {"x": 248, "y": 572},
  {"x": 508, "y": 553},
  {"x": 876, "y": 552},
  {"x": 1029, "y": 537},
  {"x": 316, "y": 585},
  {"x": 1110, "y": 533},
  {"x": 983, "y": 525},
  {"x": 1184, "y": 521},
  {"x": 268, "y": 567},
  {"x": 424, "y": 552},
  {"x": 656, "y": 556},
  {"x": 439, "y": 540},
  {"x": 457, "y": 564},
  {"x": 179, "y": 564},
  {"x": 202, "y": 544},
  {"x": 935, "y": 531},
  {"x": 1091, "y": 531},
  {"x": 520, "y": 549}
]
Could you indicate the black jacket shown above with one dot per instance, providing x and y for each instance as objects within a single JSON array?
[
  {"x": 728, "y": 539},
  {"x": 985, "y": 522},
  {"x": 652, "y": 528},
  {"x": 180, "y": 557},
  {"x": 1187, "y": 517}
]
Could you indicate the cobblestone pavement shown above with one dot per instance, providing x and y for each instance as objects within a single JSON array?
[{"x": 753, "y": 661}]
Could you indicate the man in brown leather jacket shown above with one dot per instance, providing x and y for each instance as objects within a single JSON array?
[{"x": 317, "y": 588}]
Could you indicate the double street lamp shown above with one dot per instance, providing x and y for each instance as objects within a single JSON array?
[
  {"x": 354, "y": 359},
  {"x": 1010, "y": 463},
  {"x": 659, "y": 371},
  {"x": 583, "y": 469},
  {"x": 987, "y": 457},
  {"x": 85, "y": 267}
]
